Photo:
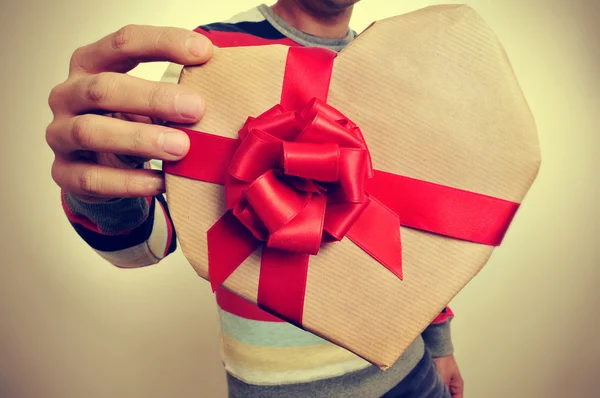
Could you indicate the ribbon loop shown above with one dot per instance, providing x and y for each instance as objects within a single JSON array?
[
  {"x": 257, "y": 153},
  {"x": 304, "y": 233},
  {"x": 353, "y": 170},
  {"x": 313, "y": 161},
  {"x": 248, "y": 217},
  {"x": 274, "y": 201},
  {"x": 321, "y": 129},
  {"x": 278, "y": 123},
  {"x": 289, "y": 168}
]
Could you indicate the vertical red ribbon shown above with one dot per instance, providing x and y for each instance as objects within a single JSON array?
[
  {"x": 282, "y": 283},
  {"x": 307, "y": 75}
]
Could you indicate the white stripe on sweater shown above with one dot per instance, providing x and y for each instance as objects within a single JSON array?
[{"x": 146, "y": 253}]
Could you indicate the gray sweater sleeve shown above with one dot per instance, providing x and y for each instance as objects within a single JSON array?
[
  {"x": 438, "y": 339},
  {"x": 127, "y": 232},
  {"x": 111, "y": 217}
]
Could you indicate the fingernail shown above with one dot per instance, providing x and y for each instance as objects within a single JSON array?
[
  {"x": 159, "y": 185},
  {"x": 196, "y": 46},
  {"x": 189, "y": 106},
  {"x": 174, "y": 143},
  {"x": 157, "y": 182}
]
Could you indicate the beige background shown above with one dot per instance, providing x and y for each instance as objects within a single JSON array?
[{"x": 73, "y": 326}]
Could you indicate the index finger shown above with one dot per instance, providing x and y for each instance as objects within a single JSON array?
[{"x": 124, "y": 49}]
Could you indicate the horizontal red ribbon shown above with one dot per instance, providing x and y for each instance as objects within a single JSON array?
[{"x": 422, "y": 205}]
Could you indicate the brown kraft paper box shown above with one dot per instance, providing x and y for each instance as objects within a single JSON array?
[{"x": 436, "y": 99}]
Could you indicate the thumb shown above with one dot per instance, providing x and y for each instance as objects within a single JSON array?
[{"x": 456, "y": 386}]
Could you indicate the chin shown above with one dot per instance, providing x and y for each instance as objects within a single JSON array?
[
  {"x": 338, "y": 4},
  {"x": 326, "y": 7}
]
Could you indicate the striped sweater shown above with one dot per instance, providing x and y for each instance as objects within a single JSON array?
[{"x": 263, "y": 356}]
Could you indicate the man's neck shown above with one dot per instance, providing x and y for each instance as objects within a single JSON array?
[{"x": 332, "y": 25}]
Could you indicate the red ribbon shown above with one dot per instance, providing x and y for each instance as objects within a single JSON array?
[{"x": 300, "y": 175}]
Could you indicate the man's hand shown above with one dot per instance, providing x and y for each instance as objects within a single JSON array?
[
  {"x": 448, "y": 369},
  {"x": 103, "y": 117}
]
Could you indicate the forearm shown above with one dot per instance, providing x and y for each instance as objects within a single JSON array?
[{"x": 128, "y": 233}]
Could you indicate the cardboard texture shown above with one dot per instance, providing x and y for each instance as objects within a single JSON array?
[{"x": 436, "y": 99}]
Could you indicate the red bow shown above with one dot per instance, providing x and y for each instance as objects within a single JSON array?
[{"x": 296, "y": 174}]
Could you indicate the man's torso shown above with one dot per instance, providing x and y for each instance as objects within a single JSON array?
[{"x": 263, "y": 356}]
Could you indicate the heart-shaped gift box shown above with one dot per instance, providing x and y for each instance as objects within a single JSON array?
[{"x": 355, "y": 194}]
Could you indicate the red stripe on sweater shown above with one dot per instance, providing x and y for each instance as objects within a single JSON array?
[
  {"x": 169, "y": 228},
  {"x": 86, "y": 222},
  {"x": 76, "y": 218},
  {"x": 237, "y": 39},
  {"x": 234, "y": 304},
  {"x": 443, "y": 317}
]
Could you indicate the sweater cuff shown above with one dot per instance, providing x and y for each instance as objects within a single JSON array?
[
  {"x": 438, "y": 339},
  {"x": 108, "y": 218}
]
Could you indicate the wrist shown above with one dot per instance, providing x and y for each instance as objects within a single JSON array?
[{"x": 107, "y": 216}]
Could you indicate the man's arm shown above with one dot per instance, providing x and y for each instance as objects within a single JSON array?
[
  {"x": 103, "y": 119},
  {"x": 128, "y": 233}
]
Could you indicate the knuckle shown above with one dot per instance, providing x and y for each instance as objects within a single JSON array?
[
  {"x": 76, "y": 57},
  {"x": 54, "y": 98},
  {"x": 81, "y": 132},
  {"x": 158, "y": 38},
  {"x": 55, "y": 172},
  {"x": 99, "y": 87},
  {"x": 51, "y": 133},
  {"x": 137, "y": 141},
  {"x": 159, "y": 97},
  {"x": 122, "y": 37},
  {"x": 89, "y": 182},
  {"x": 128, "y": 184}
]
